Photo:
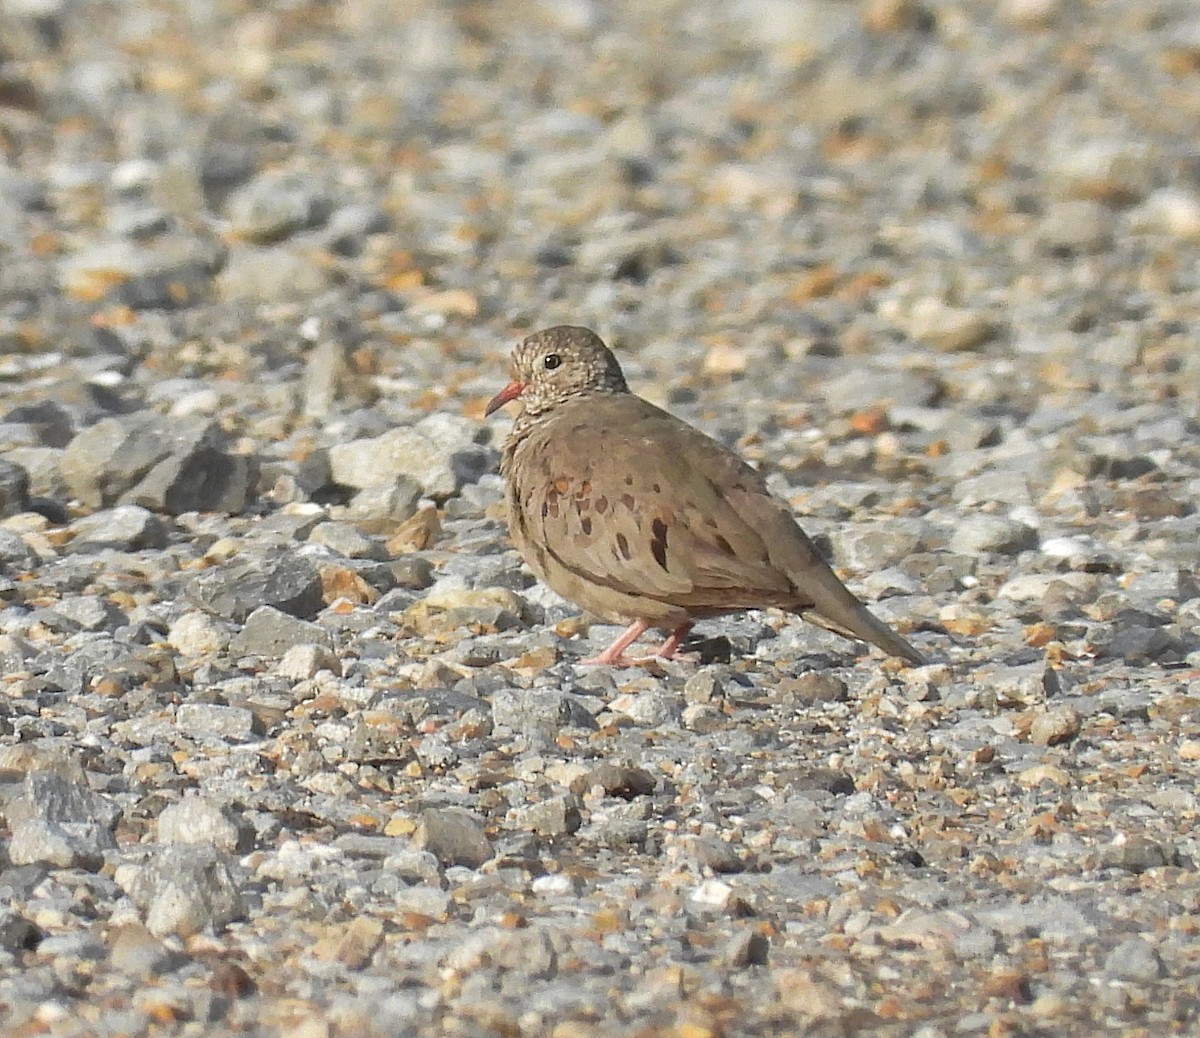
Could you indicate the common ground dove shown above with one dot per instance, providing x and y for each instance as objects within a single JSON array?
[{"x": 639, "y": 518}]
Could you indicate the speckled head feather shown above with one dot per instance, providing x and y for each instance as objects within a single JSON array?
[{"x": 557, "y": 364}]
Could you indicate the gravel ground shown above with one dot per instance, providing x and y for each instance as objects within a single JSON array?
[{"x": 291, "y": 744}]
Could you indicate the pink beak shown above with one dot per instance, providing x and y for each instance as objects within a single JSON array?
[{"x": 510, "y": 392}]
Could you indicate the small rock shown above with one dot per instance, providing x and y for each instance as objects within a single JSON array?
[
  {"x": 866, "y": 550},
  {"x": 201, "y": 478},
  {"x": 814, "y": 686},
  {"x": 412, "y": 572},
  {"x": 89, "y": 613},
  {"x": 381, "y": 509},
  {"x": 214, "y": 721},
  {"x": 711, "y": 853},
  {"x": 18, "y": 934},
  {"x": 1134, "y": 960},
  {"x": 1170, "y": 211},
  {"x": 14, "y": 489},
  {"x": 301, "y": 662},
  {"x": 273, "y": 206},
  {"x": 351, "y": 944},
  {"x": 454, "y": 836},
  {"x": 348, "y": 540},
  {"x": 172, "y": 465},
  {"x": 270, "y": 632},
  {"x": 59, "y": 795},
  {"x": 555, "y": 816},
  {"x": 705, "y": 686},
  {"x": 197, "y": 634},
  {"x": 1106, "y": 169},
  {"x": 1076, "y": 226},
  {"x": 714, "y": 894},
  {"x": 447, "y": 609},
  {"x": 123, "y": 528},
  {"x": 949, "y": 329},
  {"x": 229, "y": 151},
  {"x": 1055, "y": 726},
  {"x": 538, "y": 713},
  {"x": 136, "y": 951},
  {"x": 280, "y": 274},
  {"x": 746, "y": 948},
  {"x": 439, "y": 453},
  {"x": 1043, "y": 773},
  {"x": 1137, "y": 854},
  {"x": 616, "y": 780},
  {"x": 982, "y": 534},
  {"x": 292, "y": 585},
  {"x": 65, "y": 844},
  {"x": 197, "y": 819},
  {"x": 647, "y": 708},
  {"x": 185, "y": 889}
]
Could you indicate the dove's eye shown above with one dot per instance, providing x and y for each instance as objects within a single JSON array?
[{"x": 552, "y": 361}]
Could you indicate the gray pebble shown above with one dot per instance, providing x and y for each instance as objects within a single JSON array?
[
  {"x": 124, "y": 528},
  {"x": 538, "y": 713},
  {"x": 982, "y": 534},
  {"x": 184, "y": 890},
  {"x": 348, "y": 540},
  {"x": 271, "y": 632},
  {"x": 14, "y": 488},
  {"x": 391, "y": 502},
  {"x": 80, "y": 844},
  {"x": 214, "y": 721},
  {"x": 453, "y": 836},
  {"x": 439, "y": 453},
  {"x": 271, "y": 207},
  {"x": 291, "y": 584},
  {"x": 1134, "y": 959},
  {"x": 197, "y": 819},
  {"x": 554, "y": 816},
  {"x": 89, "y": 613}
]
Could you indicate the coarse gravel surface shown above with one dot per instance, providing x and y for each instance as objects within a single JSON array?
[{"x": 292, "y": 745}]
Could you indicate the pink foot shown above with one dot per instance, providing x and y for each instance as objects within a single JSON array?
[
  {"x": 671, "y": 645},
  {"x": 614, "y": 655}
]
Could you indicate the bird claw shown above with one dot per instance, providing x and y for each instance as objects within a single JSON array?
[
  {"x": 640, "y": 661},
  {"x": 615, "y": 661}
]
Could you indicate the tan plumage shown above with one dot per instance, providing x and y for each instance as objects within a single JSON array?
[{"x": 639, "y": 518}]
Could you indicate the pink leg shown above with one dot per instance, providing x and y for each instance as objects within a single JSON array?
[
  {"x": 614, "y": 655},
  {"x": 671, "y": 645}
]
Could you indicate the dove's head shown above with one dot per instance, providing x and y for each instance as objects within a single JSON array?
[{"x": 556, "y": 365}]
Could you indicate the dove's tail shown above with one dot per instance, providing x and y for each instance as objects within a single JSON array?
[
  {"x": 857, "y": 622},
  {"x": 833, "y": 606}
]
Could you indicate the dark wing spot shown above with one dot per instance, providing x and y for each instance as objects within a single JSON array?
[
  {"x": 725, "y": 546},
  {"x": 658, "y": 542},
  {"x": 629, "y": 501},
  {"x": 623, "y": 544},
  {"x": 585, "y": 524},
  {"x": 545, "y": 509},
  {"x": 629, "y": 481},
  {"x": 656, "y": 487},
  {"x": 601, "y": 505}
]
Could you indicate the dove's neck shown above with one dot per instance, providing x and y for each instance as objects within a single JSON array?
[{"x": 536, "y": 416}]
